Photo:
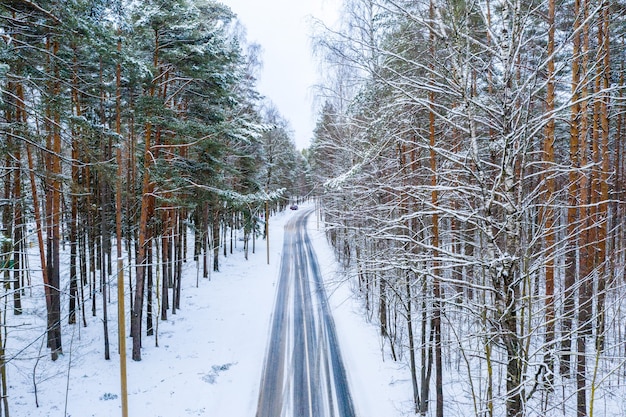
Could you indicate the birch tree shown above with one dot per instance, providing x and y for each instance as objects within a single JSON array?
[{"x": 484, "y": 115}]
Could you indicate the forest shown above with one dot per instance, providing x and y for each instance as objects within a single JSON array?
[
  {"x": 467, "y": 160},
  {"x": 472, "y": 160},
  {"x": 127, "y": 128}
]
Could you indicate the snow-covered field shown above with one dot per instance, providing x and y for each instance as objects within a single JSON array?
[{"x": 209, "y": 356}]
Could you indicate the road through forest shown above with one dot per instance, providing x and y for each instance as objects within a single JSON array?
[{"x": 303, "y": 375}]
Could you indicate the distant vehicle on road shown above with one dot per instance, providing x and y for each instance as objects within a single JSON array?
[{"x": 293, "y": 207}]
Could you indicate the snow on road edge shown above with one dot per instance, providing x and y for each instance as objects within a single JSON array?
[{"x": 379, "y": 386}]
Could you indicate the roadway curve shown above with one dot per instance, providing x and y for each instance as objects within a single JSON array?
[{"x": 303, "y": 375}]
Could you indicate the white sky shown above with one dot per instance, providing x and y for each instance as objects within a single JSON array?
[{"x": 282, "y": 28}]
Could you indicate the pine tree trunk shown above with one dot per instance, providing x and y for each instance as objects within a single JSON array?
[
  {"x": 572, "y": 211},
  {"x": 121, "y": 310},
  {"x": 585, "y": 218},
  {"x": 141, "y": 257},
  {"x": 165, "y": 273},
  {"x": 53, "y": 210},
  {"x": 179, "y": 256},
  {"x": 215, "y": 221},
  {"x": 604, "y": 227},
  {"x": 105, "y": 238},
  {"x": 74, "y": 198},
  {"x": 548, "y": 212},
  {"x": 437, "y": 293},
  {"x": 147, "y": 210},
  {"x": 412, "y": 364},
  {"x": 150, "y": 300},
  {"x": 427, "y": 338},
  {"x": 19, "y": 236}
]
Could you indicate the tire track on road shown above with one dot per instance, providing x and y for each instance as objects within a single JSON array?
[{"x": 303, "y": 375}]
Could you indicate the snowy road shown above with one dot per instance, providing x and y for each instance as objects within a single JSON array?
[{"x": 304, "y": 375}]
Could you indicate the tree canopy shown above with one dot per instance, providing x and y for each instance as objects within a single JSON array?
[
  {"x": 135, "y": 119},
  {"x": 472, "y": 156}
]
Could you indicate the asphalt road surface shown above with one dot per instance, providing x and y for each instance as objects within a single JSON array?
[{"x": 304, "y": 375}]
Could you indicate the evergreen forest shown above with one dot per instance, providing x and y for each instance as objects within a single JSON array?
[{"x": 127, "y": 128}]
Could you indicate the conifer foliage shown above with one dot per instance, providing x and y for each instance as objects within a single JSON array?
[{"x": 128, "y": 122}]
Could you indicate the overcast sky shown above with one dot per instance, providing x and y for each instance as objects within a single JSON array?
[{"x": 282, "y": 28}]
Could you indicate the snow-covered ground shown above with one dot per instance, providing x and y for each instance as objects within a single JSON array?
[{"x": 210, "y": 353}]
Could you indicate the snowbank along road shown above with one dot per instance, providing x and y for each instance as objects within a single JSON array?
[{"x": 304, "y": 375}]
